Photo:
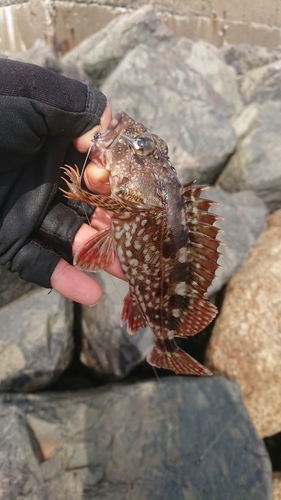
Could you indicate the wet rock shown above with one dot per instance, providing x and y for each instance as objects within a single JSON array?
[
  {"x": 245, "y": 345},
  {"x": 244, "y": 219},
  {"x": 35, "y": 340},
  {"x": 99, "y": 54},
  {"x": 255, "y": 163},
  {"x": 262, "y": 84},
  {"x": 179, "y": 440},
  {"x": 107, "y": 348},
  {"x": 207, "y": 60},
  {"x": 244, "y": 57},
  {"x": 156, "y": 87}
]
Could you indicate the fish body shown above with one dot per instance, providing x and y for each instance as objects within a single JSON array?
[{"x": 164, "y": 237}]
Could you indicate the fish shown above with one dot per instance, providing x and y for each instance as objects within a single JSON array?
[{"x": 163, "y": 234}]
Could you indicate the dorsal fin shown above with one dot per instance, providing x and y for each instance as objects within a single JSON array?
[{"x": 202, "y": 259}]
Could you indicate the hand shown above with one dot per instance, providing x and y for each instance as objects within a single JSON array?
[{"x": 66, "y": 279}]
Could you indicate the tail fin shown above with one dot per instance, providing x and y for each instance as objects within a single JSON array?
[{"x": 166, "y": 354}]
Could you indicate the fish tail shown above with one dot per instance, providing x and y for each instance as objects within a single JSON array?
[{"x": 166, "y": 354}]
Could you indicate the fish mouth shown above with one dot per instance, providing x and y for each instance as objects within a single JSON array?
[{"x": 107, "y": 139}]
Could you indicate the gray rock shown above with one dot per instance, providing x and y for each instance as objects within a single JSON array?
[
  {"x": 106, "y": 347},
  {"x": 208, "y": 61},
  {"x": 262, "y": 84},
  {"x": 156, "y": 87},
  {"x": 35, "y": 340},
  {"x": 20, "y": 475},
  {"x": 183, "y": 438},
  {"x": 244, "y": 220},
  {"x": 12, "y": 287},
  {"x": 99, "y": 54},
  {"x": 244, "y": 57},
  {"x": 255, "y": 163},
  {"x": 40, "y": 54}
]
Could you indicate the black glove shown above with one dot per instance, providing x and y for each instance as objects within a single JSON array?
[{"x": 40, "y": 113}]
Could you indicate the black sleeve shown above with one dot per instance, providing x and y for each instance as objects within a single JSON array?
[{"x": 41, "y": 112}]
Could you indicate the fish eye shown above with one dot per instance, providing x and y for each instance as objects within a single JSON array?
[{"x": 144, "y": 145}]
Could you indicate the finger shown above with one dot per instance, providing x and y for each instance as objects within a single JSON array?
[
  {"x": 83, "y": 142},
  {"x": 75, "y": 285},
  {"x": 96, "y": 179},
  {"x": 100, "y": 219}
]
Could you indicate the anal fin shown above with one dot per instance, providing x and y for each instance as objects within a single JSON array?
[
  {"x": 132, "y": 314},
  {"x": 166, "y": 354}
]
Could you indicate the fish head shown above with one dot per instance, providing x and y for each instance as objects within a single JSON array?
[{"x": 137, "y": 162}]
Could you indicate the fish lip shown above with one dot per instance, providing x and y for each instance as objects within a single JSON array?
[{"x": 107, "y": 139}]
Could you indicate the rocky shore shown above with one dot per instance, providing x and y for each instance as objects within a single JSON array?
[{"x": 83, "y": 416}]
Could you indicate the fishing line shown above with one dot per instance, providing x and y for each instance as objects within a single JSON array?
[{"x": 217, "y": 438}]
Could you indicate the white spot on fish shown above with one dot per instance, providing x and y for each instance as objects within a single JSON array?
[
  {"x": 134, "y": 262},
  {"x": 170, "y": 334},
  {"x": 182, "y": 254},
  {"x": 137, "y": 245},
  {"x": 176, "y": 313},
  {"x": 181, "y": 288},
  {"x": 129, "y": 253}
]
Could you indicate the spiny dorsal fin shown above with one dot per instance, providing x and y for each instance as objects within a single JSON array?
[{"x": 202, "y": 258}]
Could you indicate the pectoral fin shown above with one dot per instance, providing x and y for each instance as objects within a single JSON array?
[{"x": 97, "y": 253}]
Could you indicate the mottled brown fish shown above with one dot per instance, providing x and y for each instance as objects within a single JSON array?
[{"x": 164, "y": 237}]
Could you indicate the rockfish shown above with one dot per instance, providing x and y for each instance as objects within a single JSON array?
[{"x": 163, "y": 235}]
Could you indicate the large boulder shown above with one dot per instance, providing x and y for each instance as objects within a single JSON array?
[
  {"x": 36, "y": 343},
  {"x": 184, "y": 438},
  {"x": 208, "y": 61},
  {"x": 245, "y": 345},
  {"x": 262, "y": 84},
  {"x": 157, "y": 88},
  {"x": 98, "y": 55},
  {"x": 255, "y": 165},
  {"x": 244, "y": 57},
  {"x": 244, "y": 219}
]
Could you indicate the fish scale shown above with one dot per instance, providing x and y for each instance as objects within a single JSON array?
[{"x": 163, "y": 234}]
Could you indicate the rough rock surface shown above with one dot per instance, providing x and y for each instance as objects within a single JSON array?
[
  {"x": 157, "y": 88},
  {"x": 255, "y": 165},
  {"x": 207, "y": 60},
  {"x": 106, "y": 347},
  {"x": 245, "y": 345},
  {"x": 244, "y": 220},
  {"x": 262, "y": 84},
  {"x": 182, "y": 439},
  {"x": 99, "y": 54},
  {"x": 35, "y": 340},
  {"x": 244, "y": 57}
]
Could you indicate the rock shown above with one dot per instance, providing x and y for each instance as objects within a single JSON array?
[
  {"x": 255, "y": 163},
  {"x": 244, "y": 57},
  {"x": 106, "y": 347},
  {"x": 245, "y": 345},
  {"x": 35, "y": 340},
  {"x": 99, "y": 54},
  {"x": 146, "y": 441},
  {"x": 277, "y": 485},
  {"x": 40, "y": 54},
  {"x": 20, "y": 475},
  {"x": 262, "y": 84},
  {"x": 12, "y": 287},
  {"x": 156, "y": 87},
  {"x": 244, "y": 219},
  {"x": 207, "y": 60}
]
